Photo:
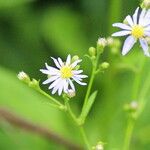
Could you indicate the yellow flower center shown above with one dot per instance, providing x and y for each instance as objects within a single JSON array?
[
  {"x": 137, "y": 31},
  {"x": 66, "y": 72}
]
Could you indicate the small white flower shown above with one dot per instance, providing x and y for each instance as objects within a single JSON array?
[
  {"x": 137, "y": 27},
  {"x": 102, "y": 42},
  {"x": 22, "y": 76},
  {"x": 71, "y": 93},
  {"x": 61, "y": 78}
]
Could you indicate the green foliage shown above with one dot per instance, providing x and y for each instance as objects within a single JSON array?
[
  {"x": 11, "y": 3},
  {"x": 31, "y": 32},
  {"x": 89, "y": 105}
]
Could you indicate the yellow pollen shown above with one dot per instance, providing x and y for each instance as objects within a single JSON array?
[
  {"x": 66, "y": 72},
  {"x": 137, "y": 31}
]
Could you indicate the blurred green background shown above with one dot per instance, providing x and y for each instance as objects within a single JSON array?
[{"x": 33, "y": 30}]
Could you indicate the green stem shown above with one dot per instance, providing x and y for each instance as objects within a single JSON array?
[
  {"x": 137, "y": 80},
  {"x": 131, "y": 121},
  {"x": 128, "y": 135},
  {"x": 94, "y": 69},
  {"x": 85, "y": 138},
  {"x": 142, "y": 96},
  {"x": 51, "y": 98},
  {"x": 69, "y": 110},
  {"x": 74, "y": 118}
]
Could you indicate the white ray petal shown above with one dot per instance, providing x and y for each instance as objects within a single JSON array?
[
  {"x": 147, "y": 28},
  {"x": 145, "y": 47},
  {"x": 147, "y": 33},
  {"x": 66, "y": 86},
  {"x": 75, "y": 72},
  {"x": 55, "y": 89},
  {"x": 54, "y": 83},
  {"x": 74, "y": 64},
  {"x": 61, "y": 86},
  {"x": 135, "y": 16},
  {"x": 81, "y": 76},
  {"x": 68, "y": 60},
  {"x": 51, "y": 68},
  {"x": 51, "y": 79},
  {"x": 121, "y": 33},
  {"x": 128, "y": 44},
  {"x": 122, "y": 26},
  {"x": 71, "y": 84},
  {"x": 79, "y": 82},
  {"x": 60, "y": 61},
  {"x": 129, "y": 20},
  {"x": 142, "y": 15},
  {"x": 45, "y": 71},
  {"x": 56, "y": 63},
  {"x": 147, "y": 16}
]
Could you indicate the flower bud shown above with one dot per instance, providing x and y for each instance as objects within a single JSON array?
[
  {"x": 132, "y": 106},
  {"x": 34, "y": 84},
  {"x": 99, "y": 146},
  {"x": 92, "y": 51},
  {"x": 146, "y": 4},
  {"x": 74, "y": 58},
  {"x": 110, "y": 41},
  {"x": 104, "y": 65},
  {"x": 101, "y": 44},
  {"x": 71, "y": 93},
  {"x": 23, "y": 77}
]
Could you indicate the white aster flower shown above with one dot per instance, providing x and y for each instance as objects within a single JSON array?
[
  {"x": 137, "y": 28},
  {"x": 61, "y": 78}
]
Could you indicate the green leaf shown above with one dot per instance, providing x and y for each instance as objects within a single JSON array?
[
  {"x": 29, "y": 104},
  {"x": 89, "y": 105}
]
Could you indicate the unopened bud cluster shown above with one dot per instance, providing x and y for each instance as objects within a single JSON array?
[
  {"x": 146, "y": 4},
  {"x": 25, "y": 78}
]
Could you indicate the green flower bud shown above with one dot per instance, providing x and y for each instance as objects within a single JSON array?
[
  {"x": 92, "y": 51},
  {"x": 74, "y": 58},
  {"x": 34, "y": 84},
  {"x": 104, "y": 65}
]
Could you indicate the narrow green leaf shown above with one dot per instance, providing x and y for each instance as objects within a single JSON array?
[{"x": 89, "y": 104}]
